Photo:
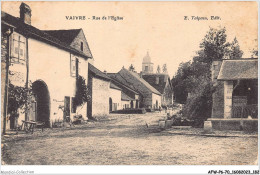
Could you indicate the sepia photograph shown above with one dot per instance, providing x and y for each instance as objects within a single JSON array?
[{"x": 129, "y": 83}]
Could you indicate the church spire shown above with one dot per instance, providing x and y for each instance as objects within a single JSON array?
[{"x": 147, "y": 65}]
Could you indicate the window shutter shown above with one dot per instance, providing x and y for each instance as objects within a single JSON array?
[
  {"x": 72, "y": 66},
  {"x": 73, "y": 105},
  {"x": 15, "y": 51}
]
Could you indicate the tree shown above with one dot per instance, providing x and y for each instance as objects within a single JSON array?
[
  {"x": 234, "y": 51},
  {"x": 254, "y": 51},
  {"x": 158, "y": 69},
  {"x": 214, "y": 45},
  {"x": 131, "y": 68},
  {"x": 165, "y": 69},
  {"x": 194, "y": 77}
]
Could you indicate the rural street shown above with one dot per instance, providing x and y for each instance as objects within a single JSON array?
[{"x": 125, "y": 139}]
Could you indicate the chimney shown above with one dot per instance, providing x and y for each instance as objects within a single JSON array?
[{"x": 25, "y": 13}]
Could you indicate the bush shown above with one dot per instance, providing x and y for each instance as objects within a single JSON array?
[
  {"x": 199, "y": 104},
  {"x": 82, "y": 93}
]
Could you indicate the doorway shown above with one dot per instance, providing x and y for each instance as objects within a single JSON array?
[{"x": 42, "y": 102}]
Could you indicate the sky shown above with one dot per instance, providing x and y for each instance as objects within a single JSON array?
[{"x": 157, "y": 27}]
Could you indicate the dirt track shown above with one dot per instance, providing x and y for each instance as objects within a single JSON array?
[{"x": 125, "y": 140}]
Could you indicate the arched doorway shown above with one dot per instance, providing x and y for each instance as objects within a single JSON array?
[
  {"x": 42, "y": 98},
  {"x": 110, "y": 104}
]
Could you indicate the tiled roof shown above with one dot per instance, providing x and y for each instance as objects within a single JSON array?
[
  {"x": 97, "y": 73},
  {"x": 151, "y": 79},
  {"x": 66, "y": 36},
  {"x": 69, "y": 37},
  {"x": 138, "y": 84},
  {"x": 113, "y": 86},
  {"x": 117, "y": 79},
  {"x": 33, "y": 32},
  {"x": 239, "y": 69},
  {"x": 125, "y": 97}
]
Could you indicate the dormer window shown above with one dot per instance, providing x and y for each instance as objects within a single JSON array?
[{"x": 81, "y": 46}]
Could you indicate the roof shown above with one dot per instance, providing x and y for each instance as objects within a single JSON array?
[
  {"x": 66, "y": 36},
  {"x": 33, "y": 32},
  {"x": 125, "y": 97},
  {"x": 151, "y": 79},
  {"x": 113, "y": 86},
  {"x": 138, "y": 83},
  {"x": 116, "y": 78},
  {"x": 238, "y": 69},
  {"x": 147, "y": 58},
  {"x": 97, "y": 73}
]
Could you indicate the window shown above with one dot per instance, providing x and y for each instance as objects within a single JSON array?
[
  {"x": 157, "y": 80},
  {"x": 81, "y": 46},
  {"x": 18, "y": 49},
  {"x": 146, "y": 68}
]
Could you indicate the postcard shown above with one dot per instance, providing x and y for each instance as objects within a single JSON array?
[{"x": 129, "y": 83}]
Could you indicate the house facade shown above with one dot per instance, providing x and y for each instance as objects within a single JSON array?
[
  {"x": 129, "y": 97},
  {"x": 162, "y": 83},
  {"x": 149, "y": 97},
  {"x": 99, "y": 89},
  {"x": 50, "y": 65},
  {"x": 115, "y": 102}
]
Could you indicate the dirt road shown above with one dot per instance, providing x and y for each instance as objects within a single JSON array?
[{"x": 125, "y": 140}]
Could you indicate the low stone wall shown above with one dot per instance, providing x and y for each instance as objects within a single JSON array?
[{"x": 235, "y": 124}]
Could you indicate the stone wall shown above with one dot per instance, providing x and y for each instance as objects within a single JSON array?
[
  {"x": 218, "y": 94},
  {"x": 76, "y": 43},
  {"x": 218, "y": 101},
  {"x": 228, "y": 90},
  {"x": 100, "y": 97}
]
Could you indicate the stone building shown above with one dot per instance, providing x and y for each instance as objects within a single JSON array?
[
  {"x": 235, "y": 97},
  {"x": 160, "y": 81},
  {"x": 115, "y": 94},
  {"x": 99, "y": 89},
  {"x": 130, "y": 98},
  {"x": 47, "y": 60},
  {"x": 147, "y": 97}
]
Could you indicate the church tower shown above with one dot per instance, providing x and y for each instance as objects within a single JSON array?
[{"x": 147, "y": 65}]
